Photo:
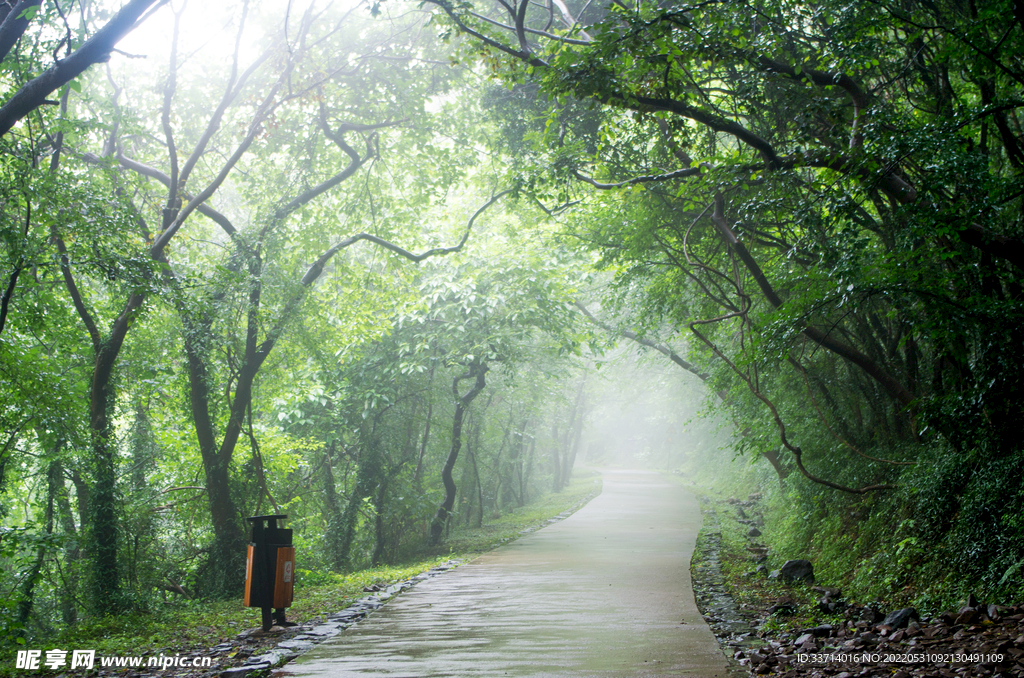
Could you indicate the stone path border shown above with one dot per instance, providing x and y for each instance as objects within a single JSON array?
[
  {"x": 732, "y": 630},
  {"x": 299, "y": 639}
]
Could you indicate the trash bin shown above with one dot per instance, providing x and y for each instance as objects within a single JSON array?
[{"x": 270, "y": 570}]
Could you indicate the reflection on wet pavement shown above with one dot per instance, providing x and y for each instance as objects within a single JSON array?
[{"x": 605, "y": 592}]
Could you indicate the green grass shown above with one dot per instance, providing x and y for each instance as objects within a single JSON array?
[
  {"x": 184, "y": 626},
  {"x": 464, "y": 542}
]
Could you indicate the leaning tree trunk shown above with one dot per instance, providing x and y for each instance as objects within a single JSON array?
[{"x": 479, "y": 372}]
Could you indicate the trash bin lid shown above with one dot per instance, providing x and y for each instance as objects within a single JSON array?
[{"x": 260, "y": 519}]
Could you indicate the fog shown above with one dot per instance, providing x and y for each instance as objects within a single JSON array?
[{"x": 650, "y": 414}]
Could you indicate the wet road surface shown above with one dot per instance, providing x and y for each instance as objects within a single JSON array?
[{"x": 605, "y": 592}]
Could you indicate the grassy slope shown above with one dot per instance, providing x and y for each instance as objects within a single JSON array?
[{"x": 714, "y": 482}]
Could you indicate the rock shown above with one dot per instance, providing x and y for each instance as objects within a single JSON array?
[
  {"x": 828, "y": 591},
  {"x": 797, "y": 570},
  {"x": 774, "y": 574},
  {"x": 240, "y": 671},
  {"x": 348, "y": 613},
  {"x": 871, "y": 615},
  {"x": 783, "y": 605},
  {"x": 324, "y": 630},
  {"x": 741, "y": 513},
  {"x": 755, "y": 496},
  {"x": 296, "y": 645},
  {"x": 993, "y": 612},
  {"x": 971, "y": 601},
  {"x": 823, "y": 631},
  {"x": 805, "y": 638},
  {"x": 753, "y": 532},
  {"x": 271, "y": 658},
  {"x": 761, "y": 569},
  {"x": 899, "y": 619},
  {"x": 868, "y": 637},
  {"x": 968, "y": 615}
]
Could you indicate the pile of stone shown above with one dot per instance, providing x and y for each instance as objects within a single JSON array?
[{"x": 976, "y": 640}]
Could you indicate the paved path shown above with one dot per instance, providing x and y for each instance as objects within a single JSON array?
[{"x": 605, "y": 592}]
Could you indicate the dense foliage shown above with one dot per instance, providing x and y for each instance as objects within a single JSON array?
[
  {"x": 824, "y": 202},
  {"x": 314, "y": 260}
]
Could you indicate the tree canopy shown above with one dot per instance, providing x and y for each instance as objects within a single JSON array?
[{"x": 361, "y": 264}]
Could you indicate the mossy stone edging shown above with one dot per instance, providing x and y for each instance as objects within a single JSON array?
[{"x": 732, "y": 629}]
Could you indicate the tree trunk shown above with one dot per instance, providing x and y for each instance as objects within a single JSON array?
[
  {"x": 575, "y": 431},
  {"x": 379, "y": 533},
  {"x": 105, "y": 578},
  {"x": 72, "y": 553},
  {"x": 224, "y": 575},
  {"x": 556, "y": 458},
  {"x": 524, "y": 477},
  {"x": 479, "y": 371},
  {"x": 416, "y": 478},
  {"x": 476, "y": 476},
  {"x": 27, "y": 589},
  {"x": 332, "y": 509}
]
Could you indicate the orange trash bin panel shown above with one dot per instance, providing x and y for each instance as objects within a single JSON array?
[
  {"x": 285, "y": 579},
  {"x": 248, "y": 575}
]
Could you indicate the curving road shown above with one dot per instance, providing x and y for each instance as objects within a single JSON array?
[{"x": 605, "y": 592}]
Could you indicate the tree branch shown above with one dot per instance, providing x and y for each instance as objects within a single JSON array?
[
  {"x": 994, "y": 244},
  {"x": 795, "y": 449},
  {"x": 647, "y": 179},
  {"x": 661, "y": 348},
  {"x": 14, "y": 25},
  {"x": 153, "y": 173},
  {"x": 95, "y": 50},
  {"x": 873, "y": 369},
  {"x": 76, "y": 295}
]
